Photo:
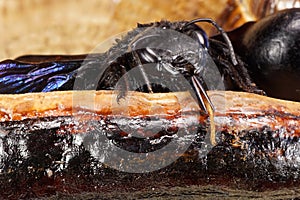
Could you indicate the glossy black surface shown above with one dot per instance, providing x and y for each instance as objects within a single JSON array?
[
  {"x": 42, "y": 157},
  {"x": 271, "y": 48}
]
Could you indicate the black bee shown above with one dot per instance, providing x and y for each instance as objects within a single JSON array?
[
  {"x": 37, "y": 73},
  {"x": 172, "y": 49}
]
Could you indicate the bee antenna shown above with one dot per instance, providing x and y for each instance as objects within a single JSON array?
[{"x": 223, "y": 33}]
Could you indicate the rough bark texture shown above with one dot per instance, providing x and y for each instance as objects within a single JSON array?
[{"x": 45, "y": 155}]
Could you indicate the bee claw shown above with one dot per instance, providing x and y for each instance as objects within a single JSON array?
[{"x": 121, "y": 95}]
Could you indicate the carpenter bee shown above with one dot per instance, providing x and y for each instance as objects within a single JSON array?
[
  {"x": 44, "y": 73},
  {"x": 175, "y": 49}
]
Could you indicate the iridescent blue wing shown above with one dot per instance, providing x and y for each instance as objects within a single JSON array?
[{"x": 22, "y": 77}]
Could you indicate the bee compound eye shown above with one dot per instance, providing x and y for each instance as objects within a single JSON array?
[{"x": 201, "y": 37}]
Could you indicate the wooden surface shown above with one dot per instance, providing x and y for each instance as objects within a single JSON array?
[
  {"x": 192, "y": 192},
  {"x": 234, "y": 111}
]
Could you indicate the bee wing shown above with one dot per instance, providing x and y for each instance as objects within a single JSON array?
[{"x": 21, "y": 77}]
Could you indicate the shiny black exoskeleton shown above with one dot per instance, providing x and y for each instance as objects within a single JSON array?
[{"x": 271, "y": 48}]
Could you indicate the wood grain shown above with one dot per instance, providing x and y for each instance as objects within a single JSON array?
[{"x": 235, "y": 111}]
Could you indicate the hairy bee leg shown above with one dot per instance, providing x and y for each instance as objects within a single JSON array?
[
  {"x": 238, "y": 73},
  {"x": 131, "y": 48},
  {"x": 124, "y": 88},
  {"x": 142, "y": 72},
  {"x": 207, "y": 105}
]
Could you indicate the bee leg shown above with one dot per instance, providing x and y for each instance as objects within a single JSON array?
[
  {"x": 142, "y": 73},
  {"x": 201, "y": 94},
  {"x": 206, "y": 105},
  {"x": 147, "y": 55},
  {"x": 124, "y": 86}
]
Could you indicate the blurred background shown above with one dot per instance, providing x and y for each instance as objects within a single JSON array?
[{"x": 78, "y": 26}]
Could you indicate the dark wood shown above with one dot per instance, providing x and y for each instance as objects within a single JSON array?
[{"x": 257, "y": 147}]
